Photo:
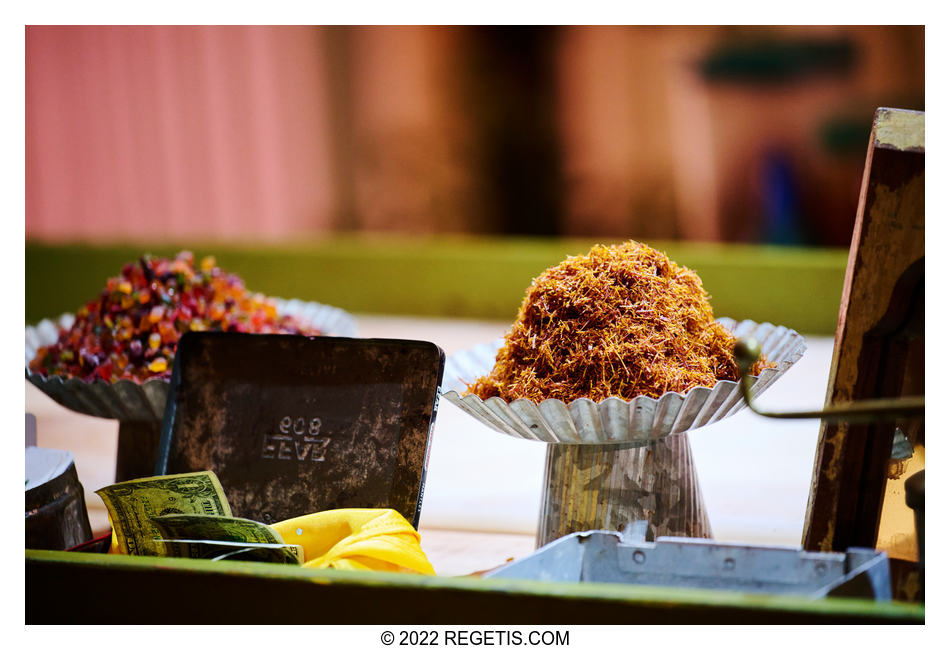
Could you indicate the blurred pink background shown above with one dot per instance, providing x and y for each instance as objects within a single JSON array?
[{"x": 277, "y": 133}]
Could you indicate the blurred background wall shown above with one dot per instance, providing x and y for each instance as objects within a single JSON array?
[{"x": 278, "y": 133}]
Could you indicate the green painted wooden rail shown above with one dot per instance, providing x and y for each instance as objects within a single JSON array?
[
  {"x": 456, "y": 277},
  {"x": 63, "y": 587}
]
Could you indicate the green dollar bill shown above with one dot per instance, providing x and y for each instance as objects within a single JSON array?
[
  {"x": 245, "y": 551},
  {"x": 216, "y": 528},
  {"x": 133, "y": 504},
  {"x": 218, "y": 538}
]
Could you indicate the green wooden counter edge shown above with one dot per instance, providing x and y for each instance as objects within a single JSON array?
[
  {"x": 451, "y": 276},
  {"x": 61, "y": 569}
]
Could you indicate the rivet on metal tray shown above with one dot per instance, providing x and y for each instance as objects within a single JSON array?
[
  {"x": 639, "y": 557},
  {"x": 821, "y": 569},
  {"x": 729, "y": 564}
]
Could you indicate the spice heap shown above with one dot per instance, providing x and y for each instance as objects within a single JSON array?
[
  {"x": 131, "y": 330},
  {"x": 621, "y": 321}
]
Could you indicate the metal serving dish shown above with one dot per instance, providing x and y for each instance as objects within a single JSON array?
[{"x": 613, "y": 420}]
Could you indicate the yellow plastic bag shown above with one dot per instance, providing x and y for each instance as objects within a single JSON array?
[{"x": 357, "y": 538}]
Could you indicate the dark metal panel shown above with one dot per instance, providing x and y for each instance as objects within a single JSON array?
[{"x": 293, "y": 425}]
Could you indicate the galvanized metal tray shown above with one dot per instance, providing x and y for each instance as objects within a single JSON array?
[{"x": 607, "y": 556}]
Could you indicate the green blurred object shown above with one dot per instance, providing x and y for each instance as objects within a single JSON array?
[
  {"x": 779, "y": 60},
  {"x": 845, "y": 136},
  {"x": 452, "y": 277}
]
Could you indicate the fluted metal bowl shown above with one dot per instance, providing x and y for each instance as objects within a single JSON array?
[
  {"x": 614, "y": 420},
  {"x": 128, "y": 401}
]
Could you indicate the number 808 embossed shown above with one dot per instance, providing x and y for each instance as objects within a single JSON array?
[{"x": 297, "y": 438}]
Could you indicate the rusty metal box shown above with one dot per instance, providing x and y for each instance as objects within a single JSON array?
[{"x": 296, "y": 424}]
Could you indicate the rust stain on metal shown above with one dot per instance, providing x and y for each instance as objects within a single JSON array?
[{"x": 837, "y": 443}]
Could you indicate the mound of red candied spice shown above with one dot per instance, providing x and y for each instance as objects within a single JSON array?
[{"x": 131, "y": 330}]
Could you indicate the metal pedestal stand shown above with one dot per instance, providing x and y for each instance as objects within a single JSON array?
[{"x": 605, "y": 487}]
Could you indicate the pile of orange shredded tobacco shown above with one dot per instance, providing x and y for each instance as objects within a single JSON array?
[{"x": 621, "y": 321}]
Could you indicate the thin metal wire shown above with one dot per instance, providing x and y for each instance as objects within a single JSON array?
[{"x": 747, "y": 351}]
